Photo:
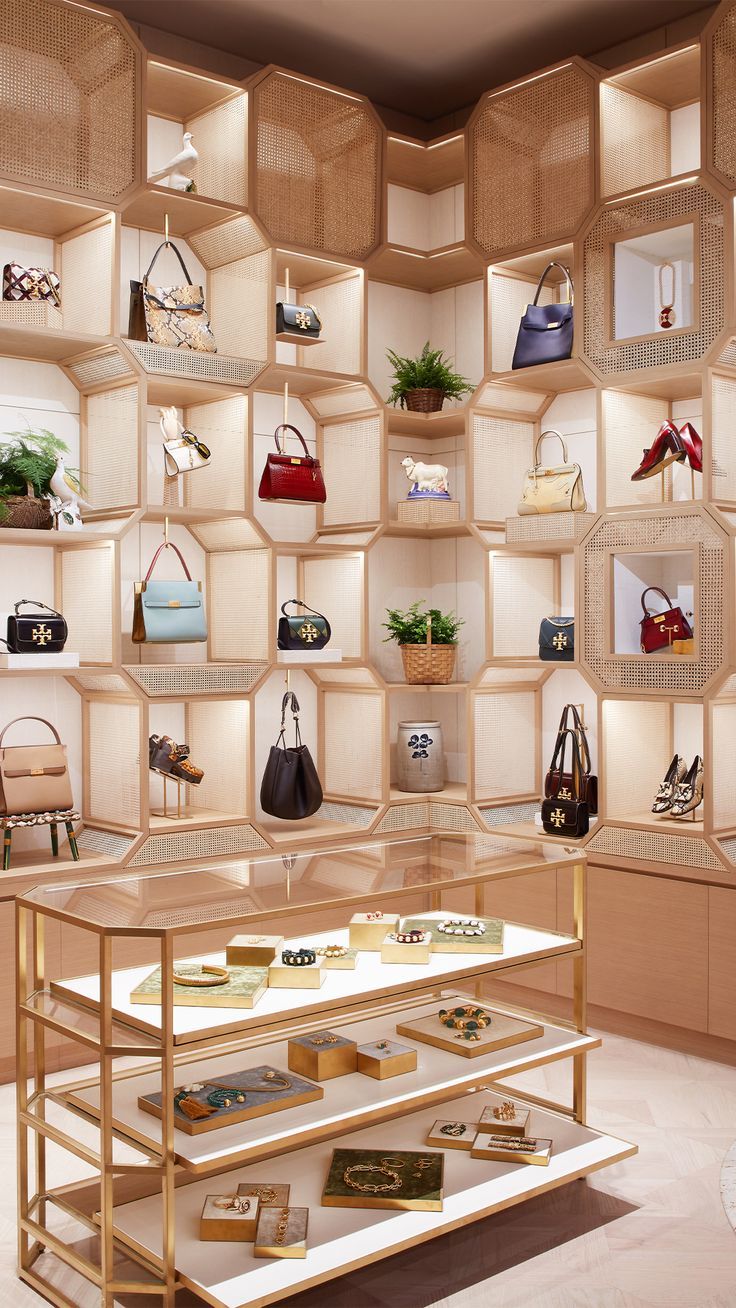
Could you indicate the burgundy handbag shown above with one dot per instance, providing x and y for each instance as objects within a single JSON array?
[
  {"x": 560, "y": 783},
  {"x": 658, "y": 630},
  {"x": 286, "y": 477}
]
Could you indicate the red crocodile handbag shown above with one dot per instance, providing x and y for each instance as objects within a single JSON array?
[
  {"x": 658, "y": 630},
  {"x": 287, "y": 477}
]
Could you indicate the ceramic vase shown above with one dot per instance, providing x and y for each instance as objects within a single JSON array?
[{"x": 420, "y": 761}]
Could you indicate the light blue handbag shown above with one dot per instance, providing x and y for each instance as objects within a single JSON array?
[{"x": 168, "y": 612}]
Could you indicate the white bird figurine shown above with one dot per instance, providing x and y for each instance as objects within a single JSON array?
[
  {"x": 62, "y": 485},
  {"x": 179, "y": 169}
]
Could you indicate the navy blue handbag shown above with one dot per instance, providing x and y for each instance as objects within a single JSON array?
[{"x": 545, "y": 331}]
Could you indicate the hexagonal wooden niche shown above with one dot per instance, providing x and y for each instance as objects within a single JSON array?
[{"x": 720, "y": 62}]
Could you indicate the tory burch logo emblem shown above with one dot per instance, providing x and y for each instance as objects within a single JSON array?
[
  {"x": 302, "y": 320},
  {"x": 564, "y": 793},
  {"x": 41, "y": 635},
  {"x": 308, "y": 633},
  {"x": 559, "y": 641},
  {"x": 557, "y": 818}
]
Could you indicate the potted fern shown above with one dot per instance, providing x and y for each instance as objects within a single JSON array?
[
  {"x": 27, "y": 464},
  {"x": 422, "y": 384},
  {"x": 428, "y": 643}
]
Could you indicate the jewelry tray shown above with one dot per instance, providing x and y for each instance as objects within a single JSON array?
[{"x": 256, "y": 1105}]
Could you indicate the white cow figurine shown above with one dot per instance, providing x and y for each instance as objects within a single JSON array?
[{"x": 428, "y": 479}]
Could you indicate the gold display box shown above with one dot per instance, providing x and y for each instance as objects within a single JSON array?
[
  {"x": 253, "y": 950},
  {"x": 226, "y": 1224},
  {"x": 243, "y": 989},
  {"x": 271, "y": 1194},
  {"x": 309, "y": 977},
  {"x": 453, "y": 1140},
  {"x": 386, "y": 1058},
  {"x": 394, "y": 951},
  {"x": 322, "y": 1055},
  {"x": 491, "y": 942},
  {"x": 344, "y": 963},
  {"x": 294, "y": 1241},
  {"x": 258, "y": 1103},
  {"x": 503, "y": 1032},
  {"x": 420, "y": 1179},
  {"x": 365, "y": 933},
  {"x": 516, "y": 1125},
  {"x": 538, "y": 1153}
]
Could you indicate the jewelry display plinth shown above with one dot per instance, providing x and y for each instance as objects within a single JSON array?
[
  {"x": 253, "y": 951},
  {"x": 535, "y": 1151},
  {"x": 256, "y": 1103},
  {"x": 369, "y": 930},
  {"x": 308, "y": 976},
  {"x": 323, "y": 1055},
  {"x": 271, "y": 1194},
  {"x": 385, "y": 1059},
  {"x": 414, "y": 953},
  {"x": 512, "y": 1123},
  {"x": 489, "y": 942},
  {"x": 223, "y": 1219},
  {"x": 452, "y": 1135},
  {"x": 242, "y": 989},
  {"x": 373, "y": 1178},
  {"x": 503, "y": 1032},
  {"x": 282, "y": 1233}
]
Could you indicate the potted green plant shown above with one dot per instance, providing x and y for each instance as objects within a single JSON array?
[
  {"x": 422, "y": 384},
  {"x": 428, "y": 643},
  {"x": 27, "y": 464}
]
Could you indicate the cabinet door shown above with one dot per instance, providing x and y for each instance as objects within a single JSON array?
[
  {"x": 532, "y": 900},
  {"x": 721, "y": 955}
]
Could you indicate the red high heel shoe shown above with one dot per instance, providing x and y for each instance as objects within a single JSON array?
[
  {"x": 667, "y": 448},
  {"x": 693, "y": 446}
]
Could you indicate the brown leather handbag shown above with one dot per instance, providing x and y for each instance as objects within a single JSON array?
[
  {"x": 288, "y": 477},
  {"x": 34, "y": 778},
  {"x": 568, "y": 813}
]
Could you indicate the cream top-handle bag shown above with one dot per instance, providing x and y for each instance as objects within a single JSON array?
[{"x": 556, "y": 489}]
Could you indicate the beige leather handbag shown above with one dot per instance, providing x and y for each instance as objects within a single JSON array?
[
  {"x": 553, "y": 490},
  {"x": 34, "y": 778}
]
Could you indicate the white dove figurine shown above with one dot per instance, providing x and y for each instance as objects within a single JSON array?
[
  {"x": 179, "y": 169},
  {"x": 61, "y": 485}
]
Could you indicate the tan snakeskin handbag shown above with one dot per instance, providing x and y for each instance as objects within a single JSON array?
[
  {"x": 553, "y": 490},
  {"x": 174, "y": 316}
]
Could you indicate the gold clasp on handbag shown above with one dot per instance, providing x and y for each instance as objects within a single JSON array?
[
  {"x": 174, "y": 604},
  {"x": 36, "y": 772},
  {"x": 294, "y": 460}
]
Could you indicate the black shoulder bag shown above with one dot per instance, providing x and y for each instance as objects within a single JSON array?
[
  {"x": 36, "y": 633},
  {"x": 290, "y": 787},
  {"x": 567, "y": 814},
  {"x": 312, "y": 631}
]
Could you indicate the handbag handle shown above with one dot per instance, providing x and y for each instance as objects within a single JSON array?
[
  {"x": 289, "y": 701},
  {"x": 287, "y": 426},
  {"x": 302, "y": 605},
  {"x": 31, "y": 718},
  {"x": 576, "y": 768},
  {"x": 550, "y": 432},
  {"x": 580, "y": 733},
  {"x": 163, "y": 246},
  {"x": 168, "y": 545},
  {"x": 570, "y": 288},
  {"x": 39, "y": 605},
  {"x": 659, "y": 591}
]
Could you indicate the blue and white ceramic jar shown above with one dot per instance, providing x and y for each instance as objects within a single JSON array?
[{"x": 420, "y": 761}]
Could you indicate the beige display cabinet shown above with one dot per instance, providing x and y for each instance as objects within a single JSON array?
[{"x": 135, "y": 1225}]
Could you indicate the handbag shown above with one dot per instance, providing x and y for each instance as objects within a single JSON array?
[
  {"x": 553, "y": 490},
  {"x": 168, "y": 612},
  {"x": 300, "y": 319},
  {"x": 290, "y": 788},
  {"x": 557, "y": 640},
  {"x": 36, "y": 633},
  {"x": 34, "y": 778},
  {"x": 659, "y": 630},
  {"x": 546, "y": 330},
  {"x": 170, "y": 315},
  {"x": 288, "y": 478},
  {"x": 313, "y": 631},
  {"x": 567, "y": 813},
  {"x": 588, "y": 780},
  {"x": 21, "y": 283},
  {"x": 185, "y": 452}
]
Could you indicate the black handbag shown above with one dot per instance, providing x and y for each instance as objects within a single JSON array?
[
  {"x": 546, "y": 330},
  {"x": 563, "y": 816},
  {"x": 36, "y": 633},
  {"x": 290, "y": 788},
  {"x": 557, "y": 640},
  {"x": 312, "y": 631},
  {"x": 299, "y": 319},
  {"x": 562, "y": 782}
]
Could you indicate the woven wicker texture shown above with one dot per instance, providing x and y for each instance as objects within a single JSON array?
[
  {"x": 114, "y": 762},
  {"x": 110, "y": 471},
  {"x": 723, "y": 437},
  {"x": 239, "y": 306},
  {"x": 87, "y": 589},
  {"x": 227, "y": 534},
  {"x": 522, "y": 591},
  {"x": 664, "y": 532},
  {"x": 335, "y": 587},
  {"x": 179, "y": 680},
  {"x": 221, "y": 137},
  {"x": 239, "y": 584},
  {"x": 503, "y": 451},
  {"x": 653, "y": 847},
  {"x": 728, "y": 688},
  {"x": 181, "y": 845},
  {"x": 451, "y": 817},
  {"x": 629, "y": 426},
  {"x": 346, "y": 813},
  {"x": 104, "y": 685},
  {"x": 637, "y": 748},
  {"x": 340, "y": 308},
  {"x": 217, "y": 734},
  {"x": 504, "y": 814},
  {"x": 615, "y": 222},
  {"x": 511, "y": 399},
  {"x": 85, "y": 268},
  {"x": 509, "y": 299},
  {"x": 429, "y": 512},
  {"x": 24, "y": 313},
  {"x": 101, "y": 366},
  {"x": 723, "y": 750},
  {"x": 213, "y": 912},
  {"x": 353, "y": 744},
  {"x": 317, "y": 167},
  {"x": 729, "y": 848},
  {"x": 721, "y": 57},
  {"x": 404, "y": 817},
  {"x": 107, "y": 843},
  {"x": 351, "y": 462},
  {"x": 346, "y": 399},
  {"x": 504, "y": 744},
  {"x": 428, "y": 664},
  {"x": 548, "y": 526},
  {"x": 228, "y": 242},
  {"x": 344, "y": 676},
  {"x": 530, "y": 174},
  {"x": 728, "y": 353},
  {"x": 635, "y": 141},
  {"x": 197, "y": 367},
  {"x": 72, "y": 100},
  {"x": 223, "y": 426}
]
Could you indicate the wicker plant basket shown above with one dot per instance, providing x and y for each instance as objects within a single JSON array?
[
  {"x": 27, "y": 512},
  {"x": 428, "y": 665},
  {"x": 425, "y": 399}
]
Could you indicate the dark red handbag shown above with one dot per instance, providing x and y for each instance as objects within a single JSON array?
[
  {"x": 658, "y": 630},
  {"x": 286, "y": 477}
]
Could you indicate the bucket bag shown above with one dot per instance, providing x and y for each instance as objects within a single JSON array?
[
  {"x": 168, "y": 612},
  {"x": 563, "y": 782},
  {"x": 34, "y": 778},
  {"x": 563, "y": 816},
  {"x": 170, "y": 315},
  {"x": 658, "y": 630},
  {"x": 290, "y": 477},
  {"x": 312, "y": 631},
  {"x": 557, "y": 489},
  {"x": 291, "y": 788},
  {"x": 546, "y": 330}
]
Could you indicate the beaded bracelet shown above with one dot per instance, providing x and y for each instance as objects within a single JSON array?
[
  {"x": 466, "y": 1021},
  {"x": 462, "y": 926},
  {"x": 331, "y": 951},
  {"x": 298, "y": 957},
  {"x": 408, "y": 937}
]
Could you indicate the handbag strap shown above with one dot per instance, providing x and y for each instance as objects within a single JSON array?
[
  {"x": 287, "y": 426},
  {"x": 39, "y": 605},
  {"x": 31, "y": 718},
  {"x": 576, "y": 769},
  {"x": 289, "y": 701},
  {"x": 580, "y": 733},
  {"x": 302, "y": 605},
  {"x": 550, "y": 432},
  {"x": 170, "y": 245},
  {"x": 168, "y": 545},
  {"x": 659, "y": 591},
  {"x": 554, "y": 264}
]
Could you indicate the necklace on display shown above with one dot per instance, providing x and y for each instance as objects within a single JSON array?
[
  {"x": 667, "y": 309},
  {"x": 365, "y": 1187}
]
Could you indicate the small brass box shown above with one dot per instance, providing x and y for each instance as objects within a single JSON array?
[
  {"x": 322, "y": 1055},
  {"x": 384, "y": 1058}
]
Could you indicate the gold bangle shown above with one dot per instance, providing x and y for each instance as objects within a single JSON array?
[{"x": 216, "y": 976}]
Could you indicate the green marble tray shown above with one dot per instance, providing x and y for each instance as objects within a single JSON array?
[
  {"x": 243, "y": 989},
  {"x": 489, "y": 943},
  {"x": 421, "y": 1188}
]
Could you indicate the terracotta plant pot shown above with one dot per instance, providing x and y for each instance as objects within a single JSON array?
[{"x": 426, "y": 399}]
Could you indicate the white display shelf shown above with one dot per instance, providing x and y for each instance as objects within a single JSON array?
[
  {"x": 438, "y": 1075},
  {"x": 342, "y": 1239}
]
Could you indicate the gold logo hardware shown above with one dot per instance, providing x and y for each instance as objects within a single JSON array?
[
  {"x": 308, "y": 633},
  {"x": 174, "y": 604},
  {"x": 294, "y": 460},
  {"x": 41, "y": 635},
  {"x": 564, "y": 793},
  {"x": 674, "y": 629},
  {"x": 557, "y": 818},
  {"x": 36, "y": 772},
  {"x": 302, "y": 320},
  {"x": 560, "y": 641}
]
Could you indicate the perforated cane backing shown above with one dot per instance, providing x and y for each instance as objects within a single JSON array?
[
  {"x": 217, "y": 733},
  {"x": 343, "y": 399},
  {"x": 504, "y": 744},
  {"x": 523, "y": 592},
  {"x": 86, "y": 601},
  {"x": 70, "y": 99},
  {"x": 176, "y": 846},
  {"x": 353, "y": 744},
  {"x": 85, "y": 268},
  {"x": 351, "y": 458},
  {"x": 110, "y": 472},
  {"x": 335, "y": 587},
  {"x": 223, "y": 426},
  {"x": 404, "y": 817},
  {"x": 451, "y": 817},
  {"x": 721, "y": 57},
  {"x": 653, "y": 847},
  {"x": 548, "y": 526},
  {"x": 348, "y": 814},
  {"x": 723, "y": 437},
  {"x": 114, "y": 762},
  {"x": 509, "y": 300},
  {"x": 340, "y": 307},
  {"x": 108, "y": 843},
  {"x": 196, "y": 366},
  {"x": 239, "y": 615},
  {"x": 181, "y": 679},
  {"x": 503, "y": 451},
  {"x": 107, "y": 364},
  {"x": 630, "y": 424},
  {"x": 637, "y": 749},
  {"x": 723, "y": 751},
  {"x": 318, "y": 166},
  {"x": 221, "y": 138},
  {"x": 503, "y": 815},
  {"x": 240, "y": 306},
  {"x": 635, "y": 140},
  {"x": 227, "y": 242},
  {"x": 530, "y": 149}
]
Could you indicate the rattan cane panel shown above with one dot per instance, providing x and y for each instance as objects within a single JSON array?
[
  {"x": 239, "y": 583},
  {"x": 227, "y": 534},
  {"x": 212, "y": 912},
  {"x": 340, "y": 307},
  {"x": 723, "y": 437},
  {"x": 227, "y": 243},
  {"x": 503, "y": 451},
  {"x": 723, "y": 768},
  {"x": 209, "y": 843},
  {"x": 318, "y": 167},
  {"x": 637, "y": 748},
  {"x": 662, "y": 531},
  {"x": 509, "y": 299},
  {"x": 548, "y": 526},
  {"x": 404, "y": 817},
  {"x": 505, "y": 814},
  {"x": 667, "y": 206},
  {"x": 353, "y": 744},
  {"x": 530, "y": 162},
  {"x": 451, "y": 817},
  {"x": 221, "y": 137},
  {"x": 729, "y": 848},
  {"x": 351, "y": 458},
  {"x": 87, "y": 587},
  {"x": 217, "y": 733},
  {"x": 179, "y": 679},
  {"x": 71, "y": 99},
  {"x": 195, "y": 366},
  {"x": 110, "y": 473},
  {"x": 240, "y": 306},
  {"x": 523, "y": 591},
  {"x": 114, "y": 762},
  {"x": 107, "y": 365},
  {"x": 635, "y": 140},
  {"x": 630, "y": 424},
  {"x": 728, "y": 687},
  {"x": 505, "y": 744},
  {"x": 721, "y": 54},
  {"x": 105, "y": 685},
  {"x": 345, "y": 813},
  {"x": 223, "y": 426},
  {"x": 85, "y": 268},
  {"x": 108, "y": 843},
  {"x": 653, "y": 847},
  {"x": 511, "y": 399},
  {"x": 728, "y": 354},
  {"x": 335, "y": 587},
  {"x": 347, "y": 399}
]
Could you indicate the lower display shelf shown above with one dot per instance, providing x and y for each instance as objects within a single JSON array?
[{"x": 227, "y": 1275}]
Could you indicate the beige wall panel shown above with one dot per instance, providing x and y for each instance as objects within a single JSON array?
[{"x": 721, "y": 955}]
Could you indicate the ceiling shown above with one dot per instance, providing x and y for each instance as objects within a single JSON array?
[{"x": 427, "y": 58}]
